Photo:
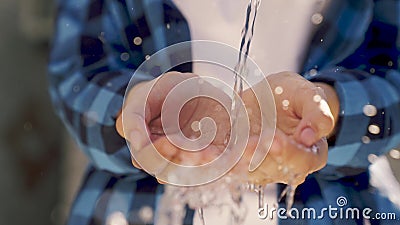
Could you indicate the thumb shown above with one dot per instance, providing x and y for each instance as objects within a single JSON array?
[
  {"x": 316, "y": 117},
  {"x": 143, "y": 104}
]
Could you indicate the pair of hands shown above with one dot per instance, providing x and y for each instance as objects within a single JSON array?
[{"x": 303, "y": 120}]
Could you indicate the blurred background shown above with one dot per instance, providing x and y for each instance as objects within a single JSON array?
[{"x": 40, "y": 167}]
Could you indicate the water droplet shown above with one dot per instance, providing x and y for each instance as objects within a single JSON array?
[
  {"x": 317, "y": 98},
  {"x": 147, "y": 57},
  {"x": 314, "y": 149},
  {"x": 370, "y": 110},
  {"x": 146, "y": 214},
  {"x": 395, "y": 154},
  {"x": 278, "y": 90},
  {"x": 374, "y": 129},
  {"x": 372, "y": 70},
  {"x": 285, "y": 170},
  {"x": 226, "y": 140},
  {"x": 201, "y": 216},
  {"x": 76, "y": 88},
  {"x": 390, "y": 63},
  {"x": 313, "y": 72},
  {"x": 124, "y": 56},
  {"x": 285, "y": 104},
  {"x": 260, "y": 191},
  {"x": 116, "y": 218},
  {"x": 168, "y": 26},
  {"x": 322, "y": 40},
  {"x": 101, "y": 37},
  {"x": 290, "y": 197},
  {"x": 137, "y": 41},
  {"x": 195, "y": 126},
  {"x": 365, "y": 140},
  {"x": 317, "y": 18}
]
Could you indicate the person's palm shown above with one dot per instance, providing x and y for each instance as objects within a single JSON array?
[
  {"x": 193, "y": 126},
  {"x": 151, "y": 121},
  {"x": 155, "y": 119},
  {"x": 303, "y": 120}
]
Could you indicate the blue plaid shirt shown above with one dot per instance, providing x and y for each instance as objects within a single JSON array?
[{"x": 93, "y": 57}]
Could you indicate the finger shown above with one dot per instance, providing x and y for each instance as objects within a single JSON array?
[
  {"x": 156, "y": 156},
  {"x": 118, "y": 125},
  {"x": 296, "y": 156},
  {"x": 135, "y": 130},
  {"x": 132, "y": 121},
  {"x": 290, "y": 162},
  {"x": 305, "y": 160},
  {"x": 159, "y": 89},
  {"x": 273, "y": 168},
  {"x": 135, "y": 164},
  {"x": 279, "y": 144},
  {"x": 316, "y": 118},
  {"x": 211, "y": 153},
  {"x": 269, "y": 167},
  {"x": 144, "y": 104},
  {"x": 166, "y": 149},
  {"x": 160, "y": 181},
  {"x": 322, "y": 146},
  {"x": 262, "y": 149}
]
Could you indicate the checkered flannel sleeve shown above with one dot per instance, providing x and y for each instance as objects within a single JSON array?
[
  {"x": 96, "y": 48},
  {"x": 366, "y": 77}
]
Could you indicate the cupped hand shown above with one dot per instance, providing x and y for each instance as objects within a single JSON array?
[
  {"x": 298, "y": 148},
  {"x": 302, "y": 108},
  {"x": 151, "y": 109},
  {"x": 304, "y": 120}
]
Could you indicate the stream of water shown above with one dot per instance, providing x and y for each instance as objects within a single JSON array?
[{"x": 172, "y": 205}]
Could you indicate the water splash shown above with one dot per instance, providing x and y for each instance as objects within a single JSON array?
[
  {"x": 240, "y": 68},
  {"x": 238, "y": 209},
  {"x": 201, "y": 216},
  {"x": 174, "y": 200},
  {"x": 240, "y": 74},
  {"x": 289, "y": 192}
]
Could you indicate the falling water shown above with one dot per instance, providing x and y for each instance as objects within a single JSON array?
[
  {"x": 238, "y": 210},
  {"x": 240, "y": 68},
  {"x": 239, "y": 75},
  {"x": 199, "y": 197}
]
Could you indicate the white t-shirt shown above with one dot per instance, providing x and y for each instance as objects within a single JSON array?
[{"x": 281, "y": 31}]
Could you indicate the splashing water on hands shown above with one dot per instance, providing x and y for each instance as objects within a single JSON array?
[
  {"x": 237, "y": 209},
  {"x": 172, "y": 204}
]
